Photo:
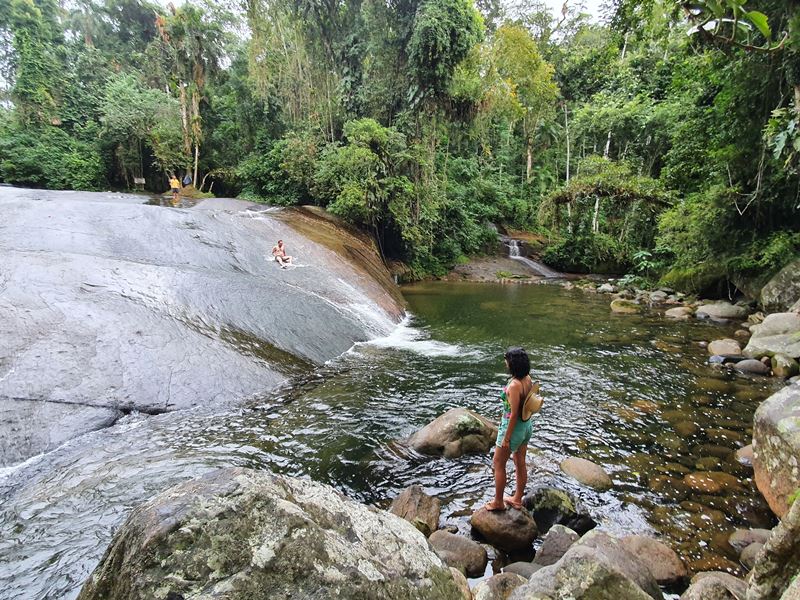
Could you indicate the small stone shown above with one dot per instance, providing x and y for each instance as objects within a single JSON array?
[
  {"x": 724, "y": 346},
  {"x": 745, "y": 455},
  {"x": 625, "y": 306},
  {"x": 707, "y": 463},
  {"x": 679, "y": 312},
  {"x": 587, "y": 473},
  {"x": 460, "y": 552},
  {"x": 498, "y": 587},
  {"x": 752, "y": 366},
  {"x": 741, "y": 538},
  {"x": 741, "y": 334},
  {"x": 749, "y": 555},
  {"x": 723, "y": 436},
  {"x": 685, "y": 429},
  {"x": 607, "y": 288}
]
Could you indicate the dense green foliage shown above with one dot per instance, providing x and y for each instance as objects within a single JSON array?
[{"x": 663, "y": 142}]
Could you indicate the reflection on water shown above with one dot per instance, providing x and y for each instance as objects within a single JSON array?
[{"x": 632, "y": 393}]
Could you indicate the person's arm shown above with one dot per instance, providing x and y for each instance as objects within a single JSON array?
[{"x": 514, "y": 392}]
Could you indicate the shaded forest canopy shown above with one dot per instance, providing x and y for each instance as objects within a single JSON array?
[{"x": 662, "y": 141}]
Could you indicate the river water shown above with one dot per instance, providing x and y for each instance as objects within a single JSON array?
[{"x": 616, "y": 388}]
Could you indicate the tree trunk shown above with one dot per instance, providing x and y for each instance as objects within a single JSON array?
[
  {"x": 196, "y": 157},
  {"x": 529, "y": 164},
  {"x": 187, "y": 140},
  {"x": 596, "y": 217}
]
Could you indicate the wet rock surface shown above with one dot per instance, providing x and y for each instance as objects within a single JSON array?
[
  {"x": 136, "y": 307},
  {"x": 418, "y": 508},
  {"x": 456, "y": 432},
  {"x": 460, "y": 552},
  {"x": 587, "y": 472},
  {"x": 242, "y": 534},
  {"x": 776, "y": 447},
  {"x": 510, "y": 530}
]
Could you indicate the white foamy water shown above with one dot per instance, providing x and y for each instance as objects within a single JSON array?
[{"x": 413, "y": 339}]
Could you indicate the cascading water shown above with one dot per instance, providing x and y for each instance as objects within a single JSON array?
[{"x": 533, "y": 265}]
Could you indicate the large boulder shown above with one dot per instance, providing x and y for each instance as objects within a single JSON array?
[
  {"x": 663, "y": 562},
  {"x": 783, "y": 290},
  {"x": 776, "y": 447},
  {"x": 509, "y": 530},
  {"x": 587, "y": 473},
  {"x": 597, "y": 567},
  {"x": 241, "y": 534},
  {"x": 419, "y": 509},
  {"x": 778, "y": 563},
  {"x": 456, "y": 432},
  {"x": 721, "y": 311},
  {"x": 460, "y": 552},
  {"x": 778, "y": 334}
]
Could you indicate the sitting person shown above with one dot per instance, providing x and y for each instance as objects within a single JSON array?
[{"x": 279, "y": 252}]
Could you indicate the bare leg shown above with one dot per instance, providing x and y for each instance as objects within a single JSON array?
[
  {"x": 499, "y": 462},
  {"x": 521, "y": 476}
]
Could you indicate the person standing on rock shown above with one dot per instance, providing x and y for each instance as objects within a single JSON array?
[{"x": 519, "y": 399}]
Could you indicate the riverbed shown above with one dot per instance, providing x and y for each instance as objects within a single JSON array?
[{"x": 615, "y": 386}]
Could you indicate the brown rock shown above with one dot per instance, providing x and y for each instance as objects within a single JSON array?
[
  {"x": 555, "y": 545},
  {"x": 713, "y": 562},
  {"x": 587, "y": 473},
  {"x": 509, "y": 530},
  {"x": 741, "y": 538},
  {"x": 745, "y": 455},
  {"x": 725, "y": 347},
  {"x": 750, "y": 554},
  {"x": 707, "y": 589},
  {"x": 460, "y": 552},
  {"x": 703, "y": 482},
  {"x": 457, "y": 431},
  {"x": 461, "y": 583},
  {"x": 679, "y": 312},
  {"x": 419, "y": 509},
  {"x": 662, "y": 560},
  {"x": 734, "y": 585},
  {"x": 685, "y": 429}
]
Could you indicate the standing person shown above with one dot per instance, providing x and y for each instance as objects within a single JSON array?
[
  {"x": 514, "y": 431},
  {"x": 175, "y": 184},
  {"x": 279, "y": 252}
]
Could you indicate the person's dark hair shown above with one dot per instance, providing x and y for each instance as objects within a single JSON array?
[{"x": 519, "y": 365}]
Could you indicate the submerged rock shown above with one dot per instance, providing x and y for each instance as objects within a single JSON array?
[
  {"x": 462, "y": 553},
  {"x": 587, "y": 473},
  {"x": 419, "y": 509},
  {"x": 243, "y": 534},
  {"x": 456, "y": 432},
  {"x": 776, "y": 447},
  {"x": 625, "y": 306},
  {"x": 510, "y": 530}
]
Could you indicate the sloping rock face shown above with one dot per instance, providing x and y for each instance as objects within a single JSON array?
[
  {"x": 778, "y": 334},
  {"x": 778, "y": 563},
  {"x": 108, "y": 305},
  {"x": 783, "y": 290},
  {"x": 456, "y": 432},
  {"x": 776, "y": 447},
  {"x": 242, "y": 534}
]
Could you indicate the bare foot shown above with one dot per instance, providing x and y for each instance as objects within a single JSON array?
[
  {"x": 494, "y": 506},
  {"x": 513, "y": 502}
]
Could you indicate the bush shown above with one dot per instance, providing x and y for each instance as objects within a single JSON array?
[{"x": 597, "y": 253}]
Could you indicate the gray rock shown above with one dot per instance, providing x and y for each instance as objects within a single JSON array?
[
  {"x": 752, "y": 366},
  {"x": 708, "y": 589},
  {"x": 555, "y": 544},
  {"x": 509, "y": 530},
  {"x": 658, "y": 297},
  {"x": 607, "y": 288},
  {"x": 778, "y": 563},
  {"x": 745, "y": 455},
  {"x": 721, "y": 311},
  {"x": 525, "y": 569},
  {"x": 741, "y": 538},
  {"x": 778, "y": 334},
  {"x": 597, "y": 567},
  {"x": 724, "y": 347},
  {"x": 679, "y": 312},
  {"x": 783, "y": 290},
  {"x": 735, "y": 586},
  {"x": 498, "y": 587},
  {"x": 750, "y": 554},
  {"x": 776, "y": 447},
  {"x": 663, "y": 562},
  {"x": 456, "y": 432},
  {"x": 418, "y": 508},
  {"x": 242, "y": 534},
  {"x": 460, "y": 552},
  {"x": 587, "y": 473}
]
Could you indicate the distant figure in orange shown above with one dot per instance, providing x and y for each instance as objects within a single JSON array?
[{"x": 279, "y": 252}]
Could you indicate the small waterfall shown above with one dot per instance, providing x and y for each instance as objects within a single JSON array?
[{"x": 534, "y": 265}]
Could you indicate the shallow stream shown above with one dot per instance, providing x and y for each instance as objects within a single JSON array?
[{"x": 632, "y": 393}]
